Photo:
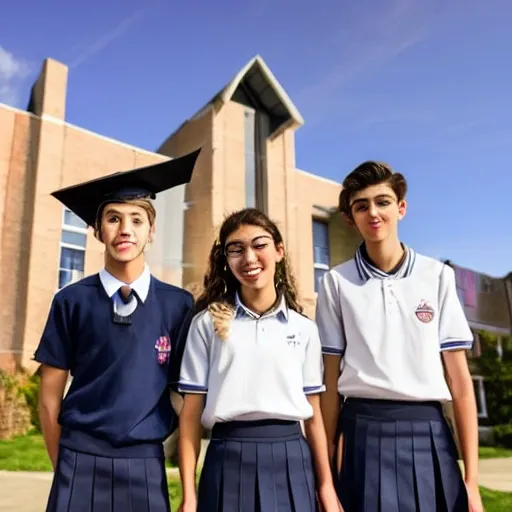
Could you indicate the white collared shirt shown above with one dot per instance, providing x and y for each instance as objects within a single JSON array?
[
  {"x": 263, "y": 370},
  {"x": 112, "y": 285},
  {"x": 390, "y": 329}
]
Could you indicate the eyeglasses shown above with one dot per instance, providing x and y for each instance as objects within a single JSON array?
[{"x": 237, "y": 249}]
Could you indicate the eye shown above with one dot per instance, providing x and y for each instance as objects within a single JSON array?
[
  {"x": 384, "y": 202},
  {"x": 260, "y": 246},
  {"x": 234, "y": 250},
  {"x": 137, "y": 221},
  {"x": 361, "y": 208},
  {"x": 113, "y": 218}
]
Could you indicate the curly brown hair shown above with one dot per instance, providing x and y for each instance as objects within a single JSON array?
[{"x": 220, "y": 285}]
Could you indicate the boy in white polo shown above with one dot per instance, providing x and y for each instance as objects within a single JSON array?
[{"x": 388, "y": 320}]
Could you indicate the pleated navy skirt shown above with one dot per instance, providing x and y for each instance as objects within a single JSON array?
[
  {"x": 257, "y": 466},
  {"x": 132, "y": 481},
  {"x": 397, "y": 456}
]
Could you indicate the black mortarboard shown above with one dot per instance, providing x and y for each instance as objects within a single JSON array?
[{"x": 85, "y": 199}]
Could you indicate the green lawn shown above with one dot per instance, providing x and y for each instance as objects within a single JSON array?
[
  {"x": 27, "y": 453},
  {"x": 492, "y": 452},
  {"x": 24, "y": 453}
]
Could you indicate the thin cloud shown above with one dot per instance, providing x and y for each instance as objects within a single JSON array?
[
  {"x": 102, "y": 42},
  {"x": 368, "y": 45},
  {"x": 13, "y": 71}
]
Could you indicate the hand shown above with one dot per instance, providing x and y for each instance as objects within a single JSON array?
[
  {"x": 328, "y": 499},
  {"x": 188, "y": 506},
  {"x": 474, "y": 498}
]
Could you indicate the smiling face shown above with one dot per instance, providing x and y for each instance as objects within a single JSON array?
[
  {"x": 375, "y": 212},
  {"x": 252, "y": 256},
  {"x": 125, "y": 230}
]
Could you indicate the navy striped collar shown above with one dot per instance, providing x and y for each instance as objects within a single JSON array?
[
  {"x": 280, "y": 309},
  {"x": 368, "y": 271}
]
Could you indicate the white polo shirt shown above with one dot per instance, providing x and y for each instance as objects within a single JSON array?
[
  {"x": 263, "y": 370},
  {"x": 390, "y": 329}
]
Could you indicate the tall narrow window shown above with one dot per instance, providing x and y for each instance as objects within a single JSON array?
[
  {"x": 479, "y": 388},
  {"x": 72, "y": 249},
  {"x": 256, "y": 132},
  {"x": 320, "y": 250}
]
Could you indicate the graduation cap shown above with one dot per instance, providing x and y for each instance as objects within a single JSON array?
[{"x": 85, "y": 199}]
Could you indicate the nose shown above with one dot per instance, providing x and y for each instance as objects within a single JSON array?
[
  {"x": 372, "y": 210},
  {"x": 250, "y": 255},
  {"x": 126, "y": 227}
]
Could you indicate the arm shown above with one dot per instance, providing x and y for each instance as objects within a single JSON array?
[
  {"x": 53, "y": 383},
  {"x": 465, "y": 411},
  {"x": 190, "y": 445},
  {"x": 315, "y": 434},
  {"x": 317, "y": 440},
  {"x": 193, "y": 384},
  {"x": 331, "y": 329},
  {"x": 330, "y": 400}
]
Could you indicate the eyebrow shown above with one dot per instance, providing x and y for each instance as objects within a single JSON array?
[
  {"x": 110, "y": 211},
  {"x": 366, "y": 199},
  {"x": 235, "y": 242}
]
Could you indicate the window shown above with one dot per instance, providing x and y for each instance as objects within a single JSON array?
[
  {"x": 72, "y": 249},
  {"x": 479, "y": 388},
  {"x": 320, "y": 250},
  {"x": 256, "y": 131}
]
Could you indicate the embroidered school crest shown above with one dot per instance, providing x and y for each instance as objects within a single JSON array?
[
  {"x": 163, "y": 348},
  {"x": 292, "y": 340},
  {"x": 425, "y": 312}
]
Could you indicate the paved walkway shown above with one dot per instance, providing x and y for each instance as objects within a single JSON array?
[{"x": 27, "y": 492}]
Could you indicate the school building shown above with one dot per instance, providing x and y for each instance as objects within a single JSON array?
[
  {"x": 247, "y": 135},
  {"x": 487, "y": 303}
]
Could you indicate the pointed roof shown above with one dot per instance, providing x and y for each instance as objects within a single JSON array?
[{"x": 255, "y": 83}]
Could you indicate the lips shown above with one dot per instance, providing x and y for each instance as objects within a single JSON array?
[{"x": 123, "y": 246}]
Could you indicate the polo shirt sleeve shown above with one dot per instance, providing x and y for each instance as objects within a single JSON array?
[
  {"x": 454, "y": 330},
  {"x": 329, "y": 318},
  {"x": 55, "y": 347},
  {"x": 313, "y": 369},
  {"x": 195, "y": 365}
]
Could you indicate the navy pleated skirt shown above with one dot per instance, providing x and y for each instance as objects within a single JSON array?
[
  {"x": 398, "y": 456},
  {"x": 133, "y": 481},
  {"x": 257, "y": 466}
]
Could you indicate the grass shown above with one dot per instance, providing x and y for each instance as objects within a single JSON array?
[
  {"x": 493, "y": 452},
  {"x": 495, "y": 501},
  {"x": 27, "y": 453},
  {"x": 24, "y": 453}
]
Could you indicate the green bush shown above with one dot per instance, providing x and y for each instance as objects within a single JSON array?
[
  {"x": 30, "y": 390},
  {"x": 503, "y": 435},
  {"x": 497, "y": 375},
  {"x": 24, "y": 386}
]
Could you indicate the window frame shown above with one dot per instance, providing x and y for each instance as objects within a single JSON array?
[
  {"x": 481, "y": 401},
  {"x": 318, "y": 265},
  {"x": 65, "y": 245}
]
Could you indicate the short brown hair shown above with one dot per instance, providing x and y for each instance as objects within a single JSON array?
[
  {"x": 145, "y": 204},
  {"x": 367, "y": 174}
]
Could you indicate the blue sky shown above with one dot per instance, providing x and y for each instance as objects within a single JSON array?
[{"x": 425, "y": 85}]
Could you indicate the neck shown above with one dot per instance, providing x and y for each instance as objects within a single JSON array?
[
  {"x": 385, "y": 254},
  {"x": 259, "y": 301},
  {"x": 127, "y": 272}
]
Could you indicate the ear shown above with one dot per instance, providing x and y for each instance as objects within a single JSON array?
[
  {"x": 280, "y": 252},
  {"x": 402, "y": 209},
  {"x": 349, "y": 220},
  {"x": 152, "y": 233}
]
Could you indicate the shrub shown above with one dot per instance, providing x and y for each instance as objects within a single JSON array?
[{"x": 503, "y": 435}]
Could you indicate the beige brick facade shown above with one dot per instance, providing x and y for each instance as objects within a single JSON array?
[{"x": 40, "y": 152}]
